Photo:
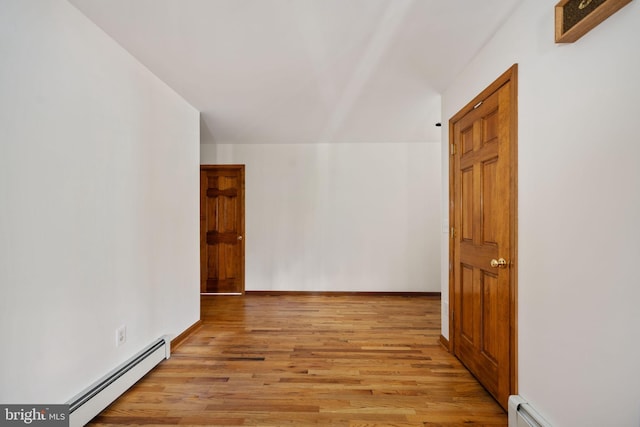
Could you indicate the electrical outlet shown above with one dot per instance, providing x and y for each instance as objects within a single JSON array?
[{"x": 121, "y": 335}]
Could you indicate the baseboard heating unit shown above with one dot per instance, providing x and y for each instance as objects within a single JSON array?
[
  {"x": 91, "y": 401},
  {"x": 521, "y": 414}
]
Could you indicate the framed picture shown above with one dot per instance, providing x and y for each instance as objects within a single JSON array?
[{"x": 574, "y": 18}]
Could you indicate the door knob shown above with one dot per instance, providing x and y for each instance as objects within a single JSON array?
[
  {"x": 499, "y": 263},
  {"x": 239, "y": 237}
]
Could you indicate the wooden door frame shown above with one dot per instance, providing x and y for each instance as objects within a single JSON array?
[
  {"x": 242, "y": 219},
  {"x": 511, "y": 75}
]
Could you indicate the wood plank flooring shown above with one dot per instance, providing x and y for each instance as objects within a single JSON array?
[{"x": 310, "y": 360}]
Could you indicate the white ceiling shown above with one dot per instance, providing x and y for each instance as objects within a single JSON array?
[{"x": 305, "y": 71}]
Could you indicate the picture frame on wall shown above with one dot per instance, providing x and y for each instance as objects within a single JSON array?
[{"x": 575, "y": 18}]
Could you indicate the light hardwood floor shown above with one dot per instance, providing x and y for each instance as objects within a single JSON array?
[{"x": 302, "y": 360}]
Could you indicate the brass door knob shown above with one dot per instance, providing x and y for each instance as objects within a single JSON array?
[{"x": 499, "y": 263}]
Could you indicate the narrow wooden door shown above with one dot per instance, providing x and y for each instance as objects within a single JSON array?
[
  {"x": 483, "y": 213},
  {"x": 222, "y": 229}
]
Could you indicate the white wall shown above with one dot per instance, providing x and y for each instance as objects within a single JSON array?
[
  {"x": 98, "y": 203},
  {"x": 579, "y": 204},
  {"x": 339, "y": 217}
]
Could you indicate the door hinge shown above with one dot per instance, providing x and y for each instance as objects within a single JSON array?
[
  {"x": 453, "y": 232},
  {"x": 453, "y": 149}
]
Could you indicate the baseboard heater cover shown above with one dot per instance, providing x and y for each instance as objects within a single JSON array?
[
  {"x": 522, "y": 414},
  {"x": 95, "y": 398}
]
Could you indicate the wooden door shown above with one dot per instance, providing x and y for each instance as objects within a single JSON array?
[
  {"x": 483, "y": 250},
  {"x": 222, "y": 229}
]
